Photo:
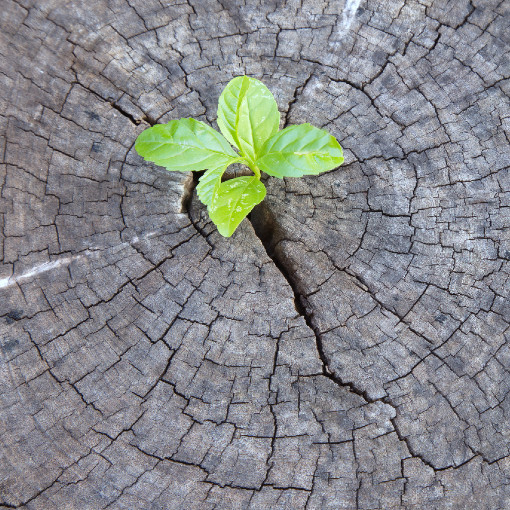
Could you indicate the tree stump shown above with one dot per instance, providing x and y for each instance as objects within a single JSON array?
[{"x": 348, "y": 347}]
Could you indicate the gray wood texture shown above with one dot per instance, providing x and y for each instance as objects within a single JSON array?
[{"x": 347, "y": 348}]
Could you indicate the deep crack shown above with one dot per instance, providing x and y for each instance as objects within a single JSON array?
[{"x": 265, "y": 228}]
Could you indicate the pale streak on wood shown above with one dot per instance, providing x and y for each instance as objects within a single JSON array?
[
  {"x": 348, "y": 15},
  {"x": 37, "y": 270},
  {"x": 65, "y": 261}
]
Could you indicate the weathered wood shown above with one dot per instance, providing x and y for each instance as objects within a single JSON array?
[{"x": 348, "y": 350}]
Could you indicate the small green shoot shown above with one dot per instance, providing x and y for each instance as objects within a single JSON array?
[{"x": 249, "y": 119}]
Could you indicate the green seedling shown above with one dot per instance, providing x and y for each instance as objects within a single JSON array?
[{"x": 249, "y": 120}]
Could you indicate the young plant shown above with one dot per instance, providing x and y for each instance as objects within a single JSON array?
[{"x": 249, "y": 119}]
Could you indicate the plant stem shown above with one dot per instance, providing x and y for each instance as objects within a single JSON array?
[{"x": 253, "y": 168}]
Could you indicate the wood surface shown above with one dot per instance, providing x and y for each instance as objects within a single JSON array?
[{"x": 347, "y": 348}]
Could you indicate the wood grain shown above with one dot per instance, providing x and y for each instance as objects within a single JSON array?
[{"x": 348, "y": 347}]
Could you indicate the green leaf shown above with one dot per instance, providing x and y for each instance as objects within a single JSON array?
[
  {"x": 247, "y": 115},
  {"x": 300, "y": 150},
  {"x": 233, "y": 201},
  {"x": 184, "y": 145},
  {"x": 209, "y": 183}
]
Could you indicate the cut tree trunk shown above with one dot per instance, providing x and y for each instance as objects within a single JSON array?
[{"x": 348, "y": 347}]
